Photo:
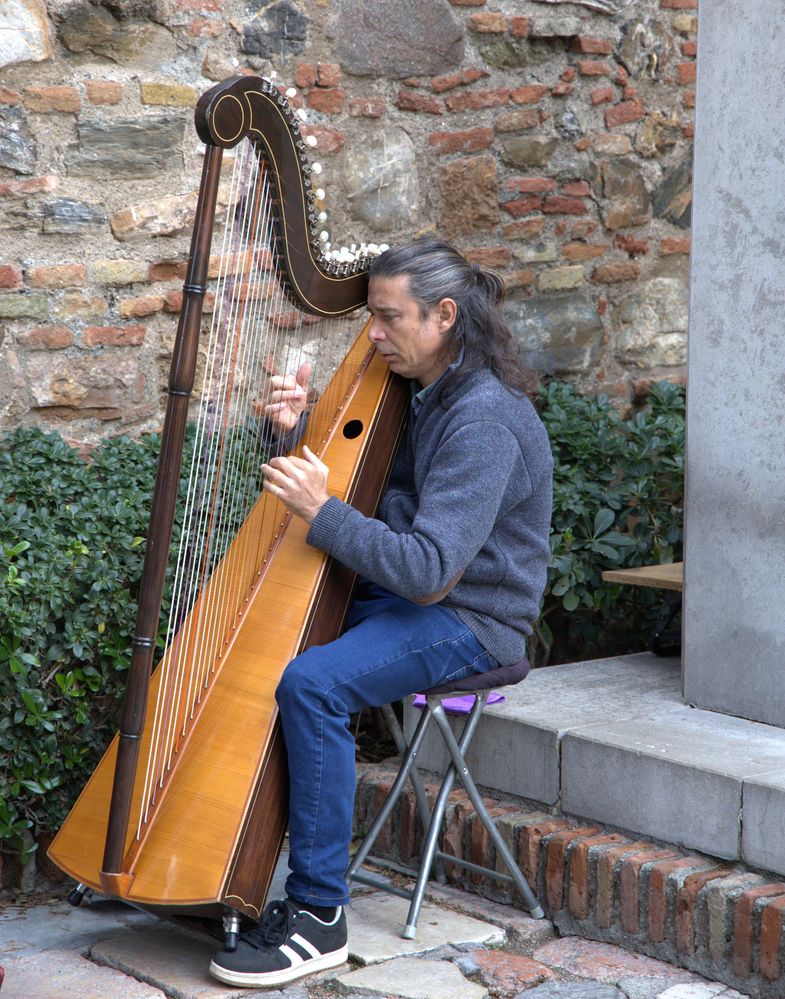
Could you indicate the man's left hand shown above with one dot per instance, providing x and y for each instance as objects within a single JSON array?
[{"x": 299, "y": 483}]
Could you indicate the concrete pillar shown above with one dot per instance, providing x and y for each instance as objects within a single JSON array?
[{"x": 734, "y": 612}]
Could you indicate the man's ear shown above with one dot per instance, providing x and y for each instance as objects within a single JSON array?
[{"x": 447, "y": 312}]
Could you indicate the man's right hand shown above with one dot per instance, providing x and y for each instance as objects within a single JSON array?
[{"x": 286, "y": 400}]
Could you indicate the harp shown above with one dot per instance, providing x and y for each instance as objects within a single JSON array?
[{"x": 186, "y": 812}]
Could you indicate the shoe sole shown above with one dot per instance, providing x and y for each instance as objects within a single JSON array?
[{"x": 310, "y": 967}]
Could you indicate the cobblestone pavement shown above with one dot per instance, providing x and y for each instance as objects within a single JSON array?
[{"x": 466, "y": 948}]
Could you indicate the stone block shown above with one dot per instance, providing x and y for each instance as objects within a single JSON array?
[
  {"x": 24, "y": 32},
  {"x": 57, "y": 974},
  {"x": 554, "y": 27},
  {"x": 651, "y": 324},
  {"x": 470, "y": 195},
  {"x": 558, "y": 333},
  {"x": 17, "y": 145},
  {"x": 127, "y": 41},
  {"x": 22, "y": 306},
  {"x": 561, "y": 278},
  {"x": 168, "y": 94},
  {"x": 70, "y": 217},
  {"x": 379, "y": 175},
  {"x": 396, "y": 38},
  {"x": 412, "y": 978},
  {"x": 763, "y": 822},
  {"x": 280, "y": 30},
  {"x": 133, "y": 148}
]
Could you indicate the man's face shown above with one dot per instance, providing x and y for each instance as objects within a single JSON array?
[{"x": 412, "y": 346}]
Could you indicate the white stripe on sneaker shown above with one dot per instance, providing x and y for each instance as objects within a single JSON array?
[
  {"x": 305, "y": 944},
  {"x": 292, "y": 955}
]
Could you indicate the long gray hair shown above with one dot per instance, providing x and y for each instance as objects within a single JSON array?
[{"x": 436, "y": 270}]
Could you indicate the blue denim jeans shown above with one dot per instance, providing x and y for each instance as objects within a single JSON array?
[{"x": 391, "y": 648}]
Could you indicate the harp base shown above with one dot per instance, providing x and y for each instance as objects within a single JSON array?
[{"x": 118, "y": 885}]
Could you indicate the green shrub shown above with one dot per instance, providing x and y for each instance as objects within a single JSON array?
[
  {"x": 617, "y": 502},
  {"x": 72, "y": 539}
]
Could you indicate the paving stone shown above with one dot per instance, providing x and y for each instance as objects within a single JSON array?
[
  {"x": 504, "y": 974},
  {"x": 62, "y": 974},
  {"x": 167, "y": 958},
  {"x": 572, "y": 990},
  {"x": 699, "y": 990},
  {"x": 521, "y": 929},
  {"x": 30, "y": 929},
  {"x": 652, "y": 988},
  {"x": 375, "y": 923},
  {"x": 412, "y": 978},
  {"x": 603, "y": 962}
]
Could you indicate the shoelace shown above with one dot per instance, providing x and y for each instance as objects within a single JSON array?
[{"x": 273, "y": 927}]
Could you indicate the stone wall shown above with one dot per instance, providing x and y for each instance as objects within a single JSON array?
[{"x": 549, "y": 140}]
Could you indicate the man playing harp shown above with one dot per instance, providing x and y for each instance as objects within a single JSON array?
[{"x": 451, "y": 571}]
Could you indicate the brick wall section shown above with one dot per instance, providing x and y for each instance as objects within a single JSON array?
[
  {"x": 713, "y": 918},
  {"x": 575, "y": 103}
]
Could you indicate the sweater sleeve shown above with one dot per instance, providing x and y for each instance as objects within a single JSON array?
[{"x": 473, "y": 473}]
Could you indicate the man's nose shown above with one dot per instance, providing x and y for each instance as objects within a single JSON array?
[{"x": 375, "y": 331}]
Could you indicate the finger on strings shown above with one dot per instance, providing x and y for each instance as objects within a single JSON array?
[
  {"x": 304, "y": 373},
  {"x": 313, "y": 459}
]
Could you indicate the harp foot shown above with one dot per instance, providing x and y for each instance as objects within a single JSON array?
[
  {"x": 231, "y": 922},
  {"x": 76, "y": 895}
]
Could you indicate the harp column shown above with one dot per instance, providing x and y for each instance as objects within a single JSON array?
[{"x": 734, "y": 626}]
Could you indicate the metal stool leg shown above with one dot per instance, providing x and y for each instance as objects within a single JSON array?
[
  {"x": 457, "y": 754},
  {"x": 403, "y": 748},
  {"x": 384, "y": 812},
  {"x": 434, "y": 707}
]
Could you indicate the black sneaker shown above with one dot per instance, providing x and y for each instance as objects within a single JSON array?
[{"x": 288, "y": 943}]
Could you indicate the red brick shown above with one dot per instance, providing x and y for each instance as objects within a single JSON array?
[
  {"x": 688, "y": 131},
  {"x": 518, "y": 279},
  {"x": 305, "y": 75},
  {"x": 602, "y": 94},
  {"x": 205, "y": 27},
  {"x": 490, "y": 22},
  {"x": 621, "y": 76},
  {"x": 578, "y": 897},
  {"x": 481, "y": 841},
  {"x": 527, "y": 185},
  {"x": 328, "y": 100},
  {"x": 679, "y": 4},
  {"x": 198, "y": 6},
  {"x": 524, "y": 228},
  {"x": 366, "y": 107},
  {"x": 744, "y": 926},
  {"x": 488, "y": 256},
  {"x": 104, "y": 91},
  {"x": 675, "y": 244},
  {"x": 555, "y": 860},
  {"x": 685, "y": 906},
  {"x": 606, "y": 877},
  {"x": 134, "y": 308},
  {"x": 771, "y": 938},
  {"x": 461, "y": 142},
  {"x": 576, "y": 188},
  {"x": 113, "y": 336},
  {"x": 57, "y": 276},
  {"x": 689, "y": 99},
  {"x": 583, "y": 144},
  {"x": 455, "y": 834},
  {"x": 468, "y": 3},
  {"x": 34, "y": 185},
  {"x": 530, "y": 94},
  {"x": 658, "y": 898},
  {"x": 687, "y": 72},
  {"x": 449, "y": 81},
  {"x": 629, "y": 879},
  {"x": 520, "y": 27},
  {"x": 689, "y": 48},
  {"x": 523, "y": 206},
  {"x": 530, "y": 836},
  {"x": 568, "y": 74},
  {"x": 168, "y": 270},
  {"x": 584, "y": 251},
  {"x": 8, "y": 96},
  {"x": 624, "y": 113},
  {"x": 408, "y": 101},
  {"x": 583, "y": 228},
  {"x": 555, "y": 204},
  {"x": 173, "y": 302},
  {"x": 629, "y": 93},
  {"x": 47, "y": 338},
  {"x": 474, "y": 100},
  {"x": 10, "y": 277},
  {"x": 52, "y": 99},
  {"x": 407, "y": 827},
  {"x": 589, "y": 45},
  {"x": 328, "y": 140},
  {"x": 616, "y": 273},
  {"x": 328, "y": 74},
  {"x": 593, "y": 67},
  {"x": 634, "y": 247},
  {"x": 562, "y": 89}
]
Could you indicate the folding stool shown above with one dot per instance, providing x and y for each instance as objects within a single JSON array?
[{"x": 480, "y": 685}]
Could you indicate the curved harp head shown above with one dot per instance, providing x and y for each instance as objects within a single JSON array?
[{"x": 253, "y": 108}]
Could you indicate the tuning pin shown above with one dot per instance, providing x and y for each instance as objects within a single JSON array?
[
  {"x": 383, "y": 247},
  {"x": 316, "y": 167},
  {"x": 324, "y": 235},
  {"x": 290, "y": 92},
  {"x": 300, "y": 112},
  {"x": 274, "y": 74},
  {"x": 319, "y": 192},
  {"x": 310, "y": 140},
  {"x": 322, "y": 216}
]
